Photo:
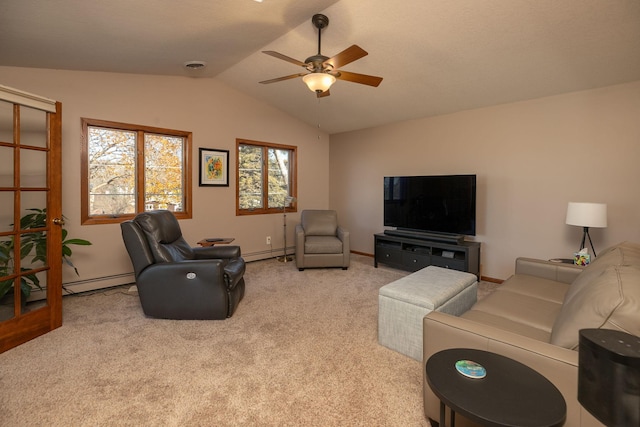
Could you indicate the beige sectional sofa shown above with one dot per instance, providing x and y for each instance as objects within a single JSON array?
[{"x": 534, "y": 317}]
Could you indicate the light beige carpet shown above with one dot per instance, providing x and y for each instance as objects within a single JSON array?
[{"x": 301, "y": 350}]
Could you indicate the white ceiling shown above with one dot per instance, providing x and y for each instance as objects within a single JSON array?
[{"x": 436, "y": 56}]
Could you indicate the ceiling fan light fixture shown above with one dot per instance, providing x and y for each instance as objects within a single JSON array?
[{"x": 319, "y": 82}]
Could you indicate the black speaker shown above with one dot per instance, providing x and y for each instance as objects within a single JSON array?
[{"x": 609, "y": 376}]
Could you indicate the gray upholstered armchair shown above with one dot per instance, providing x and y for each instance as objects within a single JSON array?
[
  {"x": 176, "y": 281},
  {"x": 320, "y": 241}
]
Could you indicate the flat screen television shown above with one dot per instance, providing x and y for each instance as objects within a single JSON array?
[{"x": 443, "y": 204}]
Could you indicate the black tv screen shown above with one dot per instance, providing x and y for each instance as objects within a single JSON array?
[{"x": 436, "y": 204}]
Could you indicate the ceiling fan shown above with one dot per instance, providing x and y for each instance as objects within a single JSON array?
[{"x": 322, "y": 70}]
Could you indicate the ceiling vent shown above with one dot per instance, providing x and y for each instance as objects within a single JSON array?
[{"x": 195, "y": 65}]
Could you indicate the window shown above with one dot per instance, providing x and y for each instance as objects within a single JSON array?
[
  {"x": 128, "y": 169},
  {"x": 266, "y": 177}
]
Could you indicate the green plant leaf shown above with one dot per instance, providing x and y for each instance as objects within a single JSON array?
[
  {"x": 77, "y": 242},
  {"x": 5, "y": 286},
  {"x": 25, "y": 249}
]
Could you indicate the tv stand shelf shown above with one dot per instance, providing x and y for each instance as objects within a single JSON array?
[{"x": 413, "y": 254}]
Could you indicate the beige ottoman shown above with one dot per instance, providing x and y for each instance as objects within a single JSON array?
[{"x": 403, "y": 304}]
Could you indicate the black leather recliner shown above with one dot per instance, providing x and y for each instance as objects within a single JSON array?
[{"x": 176, "y": 281}]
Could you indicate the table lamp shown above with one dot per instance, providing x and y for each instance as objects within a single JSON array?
[
  {"x": 609, "y": 376},
  {"x": 587, "y": 215}
]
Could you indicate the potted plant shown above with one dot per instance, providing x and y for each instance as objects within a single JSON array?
[{"x": 34, "y": 245}]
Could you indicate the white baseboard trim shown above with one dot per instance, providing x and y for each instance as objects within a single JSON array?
[{"x": 98, "y": 283}]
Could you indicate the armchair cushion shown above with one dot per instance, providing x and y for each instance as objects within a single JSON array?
[
  {"x": 322, "y": 245},
  {"x": 319, "y": 222}
]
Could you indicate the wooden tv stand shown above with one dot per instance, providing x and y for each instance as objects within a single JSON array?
[{"x": 413, "y": 254}]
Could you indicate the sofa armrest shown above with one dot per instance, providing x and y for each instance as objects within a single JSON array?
[
  {"x": 560, "y": 365},
  {"x": 560, "y": 272}
]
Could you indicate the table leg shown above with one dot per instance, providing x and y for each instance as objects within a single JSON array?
[{"x": 443, "y": 416}]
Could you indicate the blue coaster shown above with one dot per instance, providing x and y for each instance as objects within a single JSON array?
[{"x": 471, "y": 369}]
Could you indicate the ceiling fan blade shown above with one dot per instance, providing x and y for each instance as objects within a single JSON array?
[
  {"x": 323, "y": 94},
  {"x": 279, "y": 79},
  {"x": 345, "y": 57},
  {"x": 284, "y": 57},
  {"x": 359, "y": 78}
]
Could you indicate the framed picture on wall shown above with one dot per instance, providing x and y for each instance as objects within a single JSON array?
[{"x": 214, "y": 167}]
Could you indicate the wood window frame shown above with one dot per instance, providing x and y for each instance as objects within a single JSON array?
[
  {"x": 293, "y": 177},
  {"x": 86, "y": 218}
]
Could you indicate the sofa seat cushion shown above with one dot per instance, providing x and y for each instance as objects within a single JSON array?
[
  {"x": 610, "y": 300},
  {"x": 536, "y": 287},
  {"x": 506, "y": 324},
  {"x": 523, "y": 304},
  {"x": 322, "y": 245}
]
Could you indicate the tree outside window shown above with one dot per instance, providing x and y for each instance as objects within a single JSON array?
[
  {"x": 266, "y": 177},
  {"x": 127, "y": 169}
]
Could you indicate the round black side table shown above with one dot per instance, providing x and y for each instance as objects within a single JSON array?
[{"x": 511, "y": 394}]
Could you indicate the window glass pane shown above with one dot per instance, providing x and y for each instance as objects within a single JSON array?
[
  {"x": 163, "y": 172},
  {"x": 250, "y": 177},
  {"x": 278, "y": 177},
  {"x": 112, "y": 157}
]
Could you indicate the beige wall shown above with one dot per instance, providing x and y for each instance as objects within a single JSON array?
[
  {"x": 216, "y": 115},
  {"x": 531, "y": 159}
]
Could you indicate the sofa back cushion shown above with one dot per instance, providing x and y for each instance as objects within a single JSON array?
[{"x": 606, "y": 295}]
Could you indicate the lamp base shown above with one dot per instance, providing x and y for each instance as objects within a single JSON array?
[{"x": 285, "y": 258}]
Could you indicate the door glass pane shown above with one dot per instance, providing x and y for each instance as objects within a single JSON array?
[
  {"x": 33, "y": 127},
  {"x": 6, "y": 285},
  {"x": 33, "y": 244},
  {"x": 163, "y": 157},
  {"x": 6, "y": 256},
  {"x": 33, "y": 168},
  {"x": 32, "y": 204},
  {"x": 40, "y": 300},
  {"x": 250, "y": 176},
  {"x": 6, "y": 300},
  {"x": 6, "y": 122},
  {"x": 112, "y": 160},
  {"x": 6, "y": 213},
  {"x": 6, "y": 166}
]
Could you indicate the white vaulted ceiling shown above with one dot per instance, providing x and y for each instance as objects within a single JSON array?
[{"x": 436, "y": 56}]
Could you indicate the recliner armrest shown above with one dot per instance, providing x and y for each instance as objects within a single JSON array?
[
  {"x": 233, "y": 272},
  {"x": 218, "y": 251}
]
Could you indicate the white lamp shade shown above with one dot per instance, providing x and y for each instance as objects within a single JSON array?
[
  {"x": 319, "y": 82},
  {"x": 587, "y": 214}
]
